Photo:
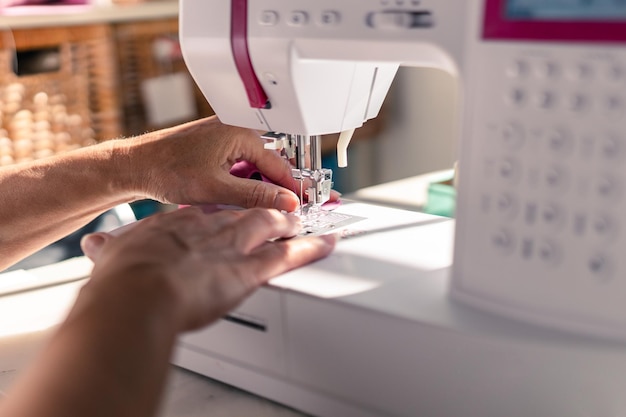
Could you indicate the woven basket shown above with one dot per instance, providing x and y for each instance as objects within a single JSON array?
[
  {"x": 138, "y": 63},
  {"x": 46, "y": 113}
]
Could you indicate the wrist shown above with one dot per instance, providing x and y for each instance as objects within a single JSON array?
[
  {"x": 122, "y": 168},
  {"x": 135, "y": 298},
  {"x": 116, "y": 344}
]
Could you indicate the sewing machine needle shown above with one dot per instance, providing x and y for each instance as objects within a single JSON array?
[{"x": 301, "y": 198}]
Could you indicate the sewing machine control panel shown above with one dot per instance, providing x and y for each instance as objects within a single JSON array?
[
  {"x": 380, "y": 14},
  {"x": 546, "y": 158}
]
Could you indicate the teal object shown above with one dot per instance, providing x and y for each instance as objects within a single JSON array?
[
  {"x": 441, "y": 200},
  {"x": 145, "y": 208}
]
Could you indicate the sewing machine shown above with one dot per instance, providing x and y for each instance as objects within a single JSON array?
[{"x": 517, "y": 307}]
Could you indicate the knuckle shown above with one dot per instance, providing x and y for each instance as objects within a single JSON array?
[
  {"x": 228, "y": 216},
  {"x": 261, "y": 196},
  {"x": 280, "y": 250},
  {"x": 229, "y": 236},
  {"x": 190, "y": 213},
  {"x": 269, "y": 218}
]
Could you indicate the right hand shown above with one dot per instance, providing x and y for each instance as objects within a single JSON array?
[
  {"x": 190, "y": 164},
  {"x": 204, "y": 264}
]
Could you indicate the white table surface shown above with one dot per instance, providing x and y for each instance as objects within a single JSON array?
[{"x": 408, "y": 193}]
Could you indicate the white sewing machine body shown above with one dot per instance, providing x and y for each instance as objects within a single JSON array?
[
  {"x": 372, "y": 331},
  {"x": 334, "y": 67},
  {"x": 386, "y": 325}
]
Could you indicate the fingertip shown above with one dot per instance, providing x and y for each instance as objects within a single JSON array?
[
  {"x": 92, "y": 244},
  {"x": 286, "y": 201},
  {"x": 320, "y": 246},
  {"x": 324, "y": 244},
  {"x": 331, "y": 239},
  {"x": 335, "y": 195},
  {"x": 296, "y": 225}
]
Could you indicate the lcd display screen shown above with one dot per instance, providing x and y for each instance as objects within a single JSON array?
[{"x": 566, "y": 10}]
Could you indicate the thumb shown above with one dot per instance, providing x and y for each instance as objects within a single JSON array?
[
  {"x": 250, "y": 193},
  {"x": 92, "y": 244}
]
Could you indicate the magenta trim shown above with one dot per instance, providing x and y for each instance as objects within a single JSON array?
[
  {"x": 497, "y": 26},
  {"x": 239, "y": 43}
]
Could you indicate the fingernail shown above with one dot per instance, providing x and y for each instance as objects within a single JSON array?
[
  {"x": 331, "y": 238},
  {"x": 91, "y": 245},
  {"x": 287, "y": 202}
]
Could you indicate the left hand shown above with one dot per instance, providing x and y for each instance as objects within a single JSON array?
[{"x": 203, "y": 265}]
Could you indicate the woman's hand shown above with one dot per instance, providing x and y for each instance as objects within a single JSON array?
[
  {"x": 201, "y": 265},
  {"x": 190, "y": 164}
]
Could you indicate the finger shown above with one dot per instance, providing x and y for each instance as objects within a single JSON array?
[
  {"x": 275, "y": 258},
  {"x": 257, "y": 226},
  {"x": 278, "y": 170},
  {"x": 192, "y": 223},
  {"x": 123, "y": 229},
  {"x": 334, "y": 195},
  {"x": 252, "y": 193},
  {"x": 92, "y": 244},
  {"x": 272, "y": 165}
]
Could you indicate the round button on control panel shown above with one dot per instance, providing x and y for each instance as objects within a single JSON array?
[
  {"x": 268, "y": 18},
  {"x": 298, "y": 18},
  {"x": 329, "y": 18}
]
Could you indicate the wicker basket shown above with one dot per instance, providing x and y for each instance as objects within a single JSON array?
[
  {"x": 51, "y": 112},
  {"x": 138, "y": 63}
]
